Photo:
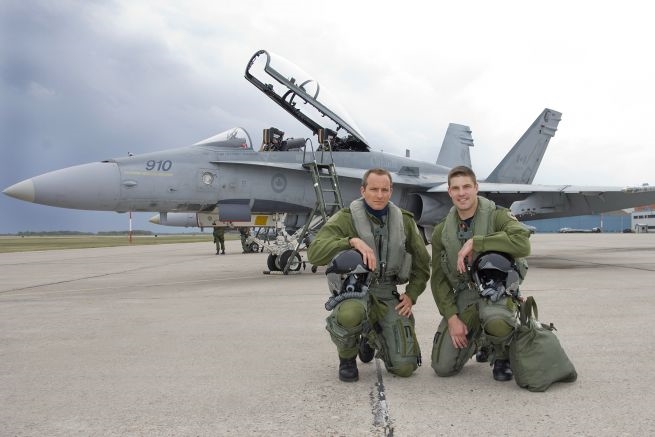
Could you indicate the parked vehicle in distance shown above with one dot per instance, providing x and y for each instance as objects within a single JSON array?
[
  {"x": 530, "y": 228},
  {"x": 579, "y": 231}
]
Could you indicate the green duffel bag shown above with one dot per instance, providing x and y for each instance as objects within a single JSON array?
[{"x": 536, "y": 356}]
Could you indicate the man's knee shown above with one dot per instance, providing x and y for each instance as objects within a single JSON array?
[
  {"x": 350, "y": 314},
  {"x": 444, "y": 373},
  {"x": 345, "y": 325},
  {"x": 404, "y": 370},
  {"x": 498, "y": 328},
  {"x": 445, "y": 369},
  {"x": 447, "y": 360}
]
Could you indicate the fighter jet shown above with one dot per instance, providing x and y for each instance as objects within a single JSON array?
[{"x": 225, "y": 174}]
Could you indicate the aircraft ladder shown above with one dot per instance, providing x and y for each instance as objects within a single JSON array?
[{"x": 328, "y": 197}]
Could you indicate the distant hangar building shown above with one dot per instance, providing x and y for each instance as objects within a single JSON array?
[
  {"x": 641, "y": 219},
  {"x": 607, "y": 222}
]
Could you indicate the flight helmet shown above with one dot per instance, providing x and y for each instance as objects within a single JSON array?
[
  {"x": 347, "y": 272},
  {"x": 495, "y": 274}
]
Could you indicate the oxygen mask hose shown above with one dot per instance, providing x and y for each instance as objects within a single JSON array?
[{"x": 354, "y": 288}]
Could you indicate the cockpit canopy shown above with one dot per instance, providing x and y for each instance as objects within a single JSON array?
[
  {"x": 235, "y": 138},
  {"x": 301, "y": 96}
]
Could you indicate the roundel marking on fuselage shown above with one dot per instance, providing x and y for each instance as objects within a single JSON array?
[{"x": 279, "y": 182}]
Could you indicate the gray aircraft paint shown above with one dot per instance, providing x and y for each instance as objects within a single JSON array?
[{"x": 226, "y": 172}]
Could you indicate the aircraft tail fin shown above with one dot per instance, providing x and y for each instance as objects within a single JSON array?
[
  {"x": 520, "y": 165},
  {"x": 455, "y": 147}
]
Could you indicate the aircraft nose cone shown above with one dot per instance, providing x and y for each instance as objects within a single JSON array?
[
  {"x": 23, "y": 190},
  {"x": 93, "y": 186}
]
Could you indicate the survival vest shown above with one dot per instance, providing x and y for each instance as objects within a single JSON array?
[
  {"x": 396, "y": 258},
  {"x": 483, "y": 224}
]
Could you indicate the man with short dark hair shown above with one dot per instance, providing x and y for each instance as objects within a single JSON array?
[
  {"x": 392, "y": 247},
  {"x": 473, "y": 225}
]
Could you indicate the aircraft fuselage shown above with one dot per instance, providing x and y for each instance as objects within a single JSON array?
[{"x": 198, "y": 178}]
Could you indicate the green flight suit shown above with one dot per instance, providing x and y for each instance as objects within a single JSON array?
[
  {"x": 244, "y": 233},
  {"x": 497, "y": 320},
  {"x": 219, "y": 239},
  {"x": 392, "y": 335}
]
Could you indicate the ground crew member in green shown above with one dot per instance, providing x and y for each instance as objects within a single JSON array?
[
  {"x": 473, "y": 225},
  {"x": 391, "y": 246},
  {"x": 244, "y": 232},
  {"x": 219, "y": 239}
]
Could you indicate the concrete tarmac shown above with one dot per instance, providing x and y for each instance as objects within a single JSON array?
[{"x": 172, "y": 340}]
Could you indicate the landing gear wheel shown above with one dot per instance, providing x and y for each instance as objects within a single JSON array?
[
  {"x": 254, "y": 247},
  {"x": 314, "y": 268},
  {"x": 271, "y": 262},
  {"x": 296, "y": 262}
]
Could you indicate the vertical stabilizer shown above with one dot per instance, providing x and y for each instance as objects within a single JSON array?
[
  {"x": 520, "y": 165},
  {"x": 455, "y": 147}
]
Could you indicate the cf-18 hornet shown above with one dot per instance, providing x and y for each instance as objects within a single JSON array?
[{"x": 306, "y": 179}]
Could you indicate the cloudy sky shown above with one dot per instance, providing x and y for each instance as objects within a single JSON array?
[{"x": 82, "y": 81}]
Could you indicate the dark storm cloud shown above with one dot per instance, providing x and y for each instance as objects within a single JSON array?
[
  {"x": 83, "y": 81},
  {"x": 75, "y": 89}
]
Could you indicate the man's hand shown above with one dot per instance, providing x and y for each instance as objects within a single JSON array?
[
  {"x": 368, "y": 255},
  {"x": 458, "y": 331},
  {"x": 464, "y": 256},
  {"x": 404, "y": 308}
]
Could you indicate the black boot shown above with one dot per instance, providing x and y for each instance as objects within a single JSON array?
[
  {"x": 348, "y": 369},
  {"x": 502, "y": 371},
  {"x": 366, "y": 352},
  {"x": 482, "y": 355}
]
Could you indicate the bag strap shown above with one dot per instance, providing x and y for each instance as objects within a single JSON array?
[{"x": 528, "y": 309}]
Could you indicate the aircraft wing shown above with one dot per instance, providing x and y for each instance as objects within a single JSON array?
[
  {"x": 502, "y": 188},
  {"x": 348, "y": 172},
  {"x": 399, "y": 178},
  {"x": 551, "y": 201},
  {"x": 284, "y": 165}
]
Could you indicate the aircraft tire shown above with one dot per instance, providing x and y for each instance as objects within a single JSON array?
[
  {"x": 271, "y": 262},
  {"x": 296, "y": 263},
  {"x": 254, "y": 247}
]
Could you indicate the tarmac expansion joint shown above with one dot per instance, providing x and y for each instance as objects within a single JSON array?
[{"x": 379, "y": 406}]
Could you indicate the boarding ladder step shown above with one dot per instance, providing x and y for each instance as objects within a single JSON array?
[{"x": 328, "y": 193}]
